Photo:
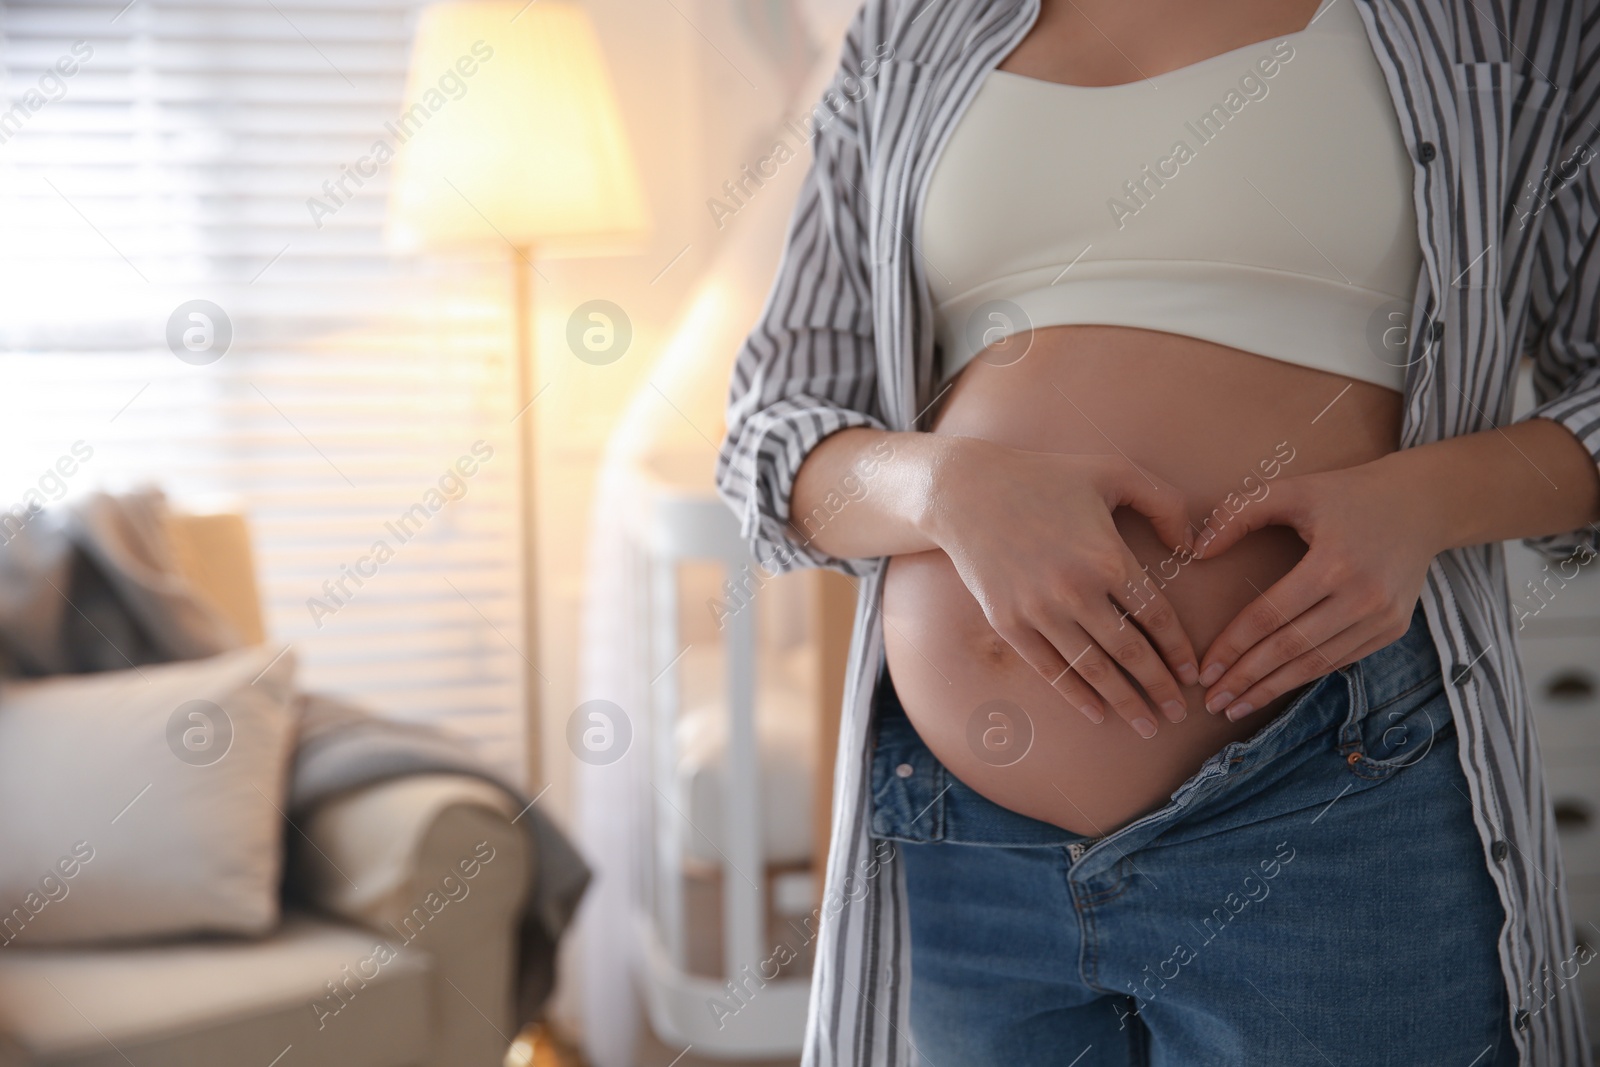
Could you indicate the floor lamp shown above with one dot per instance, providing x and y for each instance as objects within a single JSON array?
[{"x": 509, "y": 136}]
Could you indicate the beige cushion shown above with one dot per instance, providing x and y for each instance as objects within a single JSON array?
[
  {"x": 220, "y": 1001},
  {"x": 144, "y": 802}
]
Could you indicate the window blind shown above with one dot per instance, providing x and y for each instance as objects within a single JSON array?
[{"x": 171, "y": 303}]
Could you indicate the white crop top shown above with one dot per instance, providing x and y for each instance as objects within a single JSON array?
[{"x": 1259, "y": 199}]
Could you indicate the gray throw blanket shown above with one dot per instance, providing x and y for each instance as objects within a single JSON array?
[{"x": 96, "y": 587}]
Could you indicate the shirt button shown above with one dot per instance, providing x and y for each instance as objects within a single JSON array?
[
  {"x": 1459, "y": 676},
  {"x": 1436, "y": 331},
  {"x": 905, "y": 770},
  {"x": 1426, "y": 151},
  {"x": 1522, "y": 1020},
  {"x": 1499, "y": 850}
]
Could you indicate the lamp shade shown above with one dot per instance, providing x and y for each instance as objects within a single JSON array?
[{"x": 510, "y": 133}]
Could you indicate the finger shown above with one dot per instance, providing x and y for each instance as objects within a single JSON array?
[
  {"x": 1222, "y": 529},
  {"x": 1116, "y": 692},
  {"x": 1091, "y": 663},
  {"x": 1130, "y": 650},
  {"x": 1338, "y": 652},
  {"x": 1147, "y": 606},
  {"x": 1046, "y": 658},
  {"x": 1289, "y": 597},
  {"x": 1307, "y": 648},
  {"x": 1157, "y": 500},
  {"x": 1297, "y": 636}
]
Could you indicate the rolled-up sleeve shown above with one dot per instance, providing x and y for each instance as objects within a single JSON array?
[
  {"x": 1564, "y": 295},
  {"x": 807, "y": 369}
]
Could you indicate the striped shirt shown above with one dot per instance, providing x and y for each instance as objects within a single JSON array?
[{"x": 1497, "y": 103}]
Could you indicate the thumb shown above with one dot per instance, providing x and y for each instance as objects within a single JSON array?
[
  {"x": 1157, "y": 500},
  {"x": 1225, "y": 527}
]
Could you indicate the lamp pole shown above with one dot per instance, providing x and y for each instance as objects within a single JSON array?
[
  {"x": 539, "y": 147},
  {"x": 527, "y": 492}
]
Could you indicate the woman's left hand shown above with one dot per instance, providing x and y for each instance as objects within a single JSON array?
[{"x": 1370, "y": 536}]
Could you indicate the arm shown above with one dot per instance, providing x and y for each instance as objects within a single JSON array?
[
  {"x": 807, "y": 370},
  {"x": 1533, "y": 479},
  {"x": 866, "y": 493},
  {"x": 1373, "y": 530}
]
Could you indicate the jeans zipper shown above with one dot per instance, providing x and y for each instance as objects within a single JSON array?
[{"x": 1076, "y": 849}]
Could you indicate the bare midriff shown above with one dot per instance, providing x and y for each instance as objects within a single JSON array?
[{"x": 1220, "y": 424}]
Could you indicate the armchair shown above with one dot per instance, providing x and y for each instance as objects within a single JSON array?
[{"x": 379, "y": 960}]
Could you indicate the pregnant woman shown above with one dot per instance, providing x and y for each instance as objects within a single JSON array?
[{"x": 1152, "y": 365}]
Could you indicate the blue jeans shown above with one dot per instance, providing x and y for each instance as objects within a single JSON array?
[{"x": 1316, "y": 894}]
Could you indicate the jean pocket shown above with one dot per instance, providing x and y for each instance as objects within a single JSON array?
[
  {"x": 1400, "y": 732},
  {"x": 917, "y": 800},
  {"x": 908, "y": 784}
]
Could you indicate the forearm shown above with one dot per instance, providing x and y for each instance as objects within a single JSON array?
[
  {"x": 865, "y": 492},
  {"x": 1529, "y": 479}
]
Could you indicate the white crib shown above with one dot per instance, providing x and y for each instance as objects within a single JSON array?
[{"x": 731, "y": 769}]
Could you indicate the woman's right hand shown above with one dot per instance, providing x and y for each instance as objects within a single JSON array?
[{"x": 1031, "y": 534}]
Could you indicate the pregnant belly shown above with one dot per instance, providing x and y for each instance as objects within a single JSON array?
[{"x": 1220, "y": 424}]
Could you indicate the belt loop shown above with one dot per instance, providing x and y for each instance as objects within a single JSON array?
[{"x": 1350, "y": 732}]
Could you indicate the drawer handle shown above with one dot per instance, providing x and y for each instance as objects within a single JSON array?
[
  {"x": 1570, "y": 685},
  {"x": 1572, "y": 815}
]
